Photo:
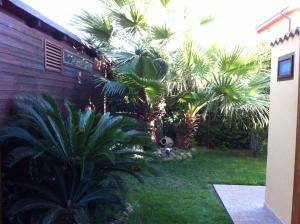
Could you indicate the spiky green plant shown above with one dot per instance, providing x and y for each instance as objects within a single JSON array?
[{"x": 78, "y": 160}]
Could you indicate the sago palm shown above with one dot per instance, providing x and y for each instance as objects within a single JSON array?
[
  {"x": 78, "y": 160},
  {"x": 62, "y": 196},
  {"x": 86, "y": 135}
]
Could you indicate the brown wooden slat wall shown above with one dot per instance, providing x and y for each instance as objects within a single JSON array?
[{"x": 22, "y": 68}]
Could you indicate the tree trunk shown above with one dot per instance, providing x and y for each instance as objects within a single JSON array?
[
  {"x": 159, "y": 129},
  {"x": 152, "y": 130},
  {"x": 186, "y": 131}
]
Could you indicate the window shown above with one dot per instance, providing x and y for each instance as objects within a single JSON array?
[
  {"x": 53, "y": 56},
  {"x": 285, "y": 67},
  {"x": 77, "y": 61}
]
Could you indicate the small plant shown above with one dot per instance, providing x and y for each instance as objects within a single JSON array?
[{"x": 68, "y": 169}]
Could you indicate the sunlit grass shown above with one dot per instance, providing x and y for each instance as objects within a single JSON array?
[{"x": 183, "y": 193}]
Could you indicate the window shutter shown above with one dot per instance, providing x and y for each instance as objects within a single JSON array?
[{"x": 53, "y": 56}]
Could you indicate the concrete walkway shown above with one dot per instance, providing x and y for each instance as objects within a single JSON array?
[{"x": 245, "y": 204}]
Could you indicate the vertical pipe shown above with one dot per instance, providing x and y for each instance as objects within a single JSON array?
[{"x": 288, "y": 18}]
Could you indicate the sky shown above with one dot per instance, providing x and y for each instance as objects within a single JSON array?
[{"x": 235, "y": 20}]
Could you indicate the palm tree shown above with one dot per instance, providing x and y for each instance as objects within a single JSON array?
[
  {"x": 140, "y": 79},
  {"x": 137, "y": 52},
  {"x": 241, "y": 84},
  {"x": 235, "y": 85},
  {"x": 131, "y": 46},
  {"x": 195, "y": 109}
]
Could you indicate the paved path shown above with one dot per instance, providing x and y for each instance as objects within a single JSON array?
[{"x": 245, "y": 204}]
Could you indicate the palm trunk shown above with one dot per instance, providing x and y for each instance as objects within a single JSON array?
[
  {"x": 152, "y": 130},
  {"x": 159, "y": 129},
  {"x": 187, "y": 129}
]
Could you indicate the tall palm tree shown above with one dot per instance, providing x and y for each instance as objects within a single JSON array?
[{"x": 131, "y": 46}]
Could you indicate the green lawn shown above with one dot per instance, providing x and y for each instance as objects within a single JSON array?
[{"x": 182, "y": 193}]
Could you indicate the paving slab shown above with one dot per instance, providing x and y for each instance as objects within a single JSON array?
[{"x": 245, "y": 204}]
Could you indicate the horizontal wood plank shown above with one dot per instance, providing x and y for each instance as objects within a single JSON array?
[{"x": 22, "y": 68}]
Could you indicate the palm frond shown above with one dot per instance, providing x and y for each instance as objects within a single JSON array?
[
  {"x": 233, "y": 62},
  {"x": 165, "y": 2},
  {"x": 115, "y": 3},
  {"x": 187, "y": 70},
  {"x": 132, "y": 20},
  {"x": 242, "y": 99},
  {"x": 110, "y": 87},
  {"x": 161, "y": 33},
  {"x": 207, "y": 19},
  {"x": 100, "y": 28}
]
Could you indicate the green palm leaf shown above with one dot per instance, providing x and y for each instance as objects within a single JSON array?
[
  {"x": 98, "y": 27},
  {"x": 207, "y": 20},
  {"x": 165, "y": 2},
  {"x": 132, "y": 20},
  {"x": 161, "y": 33}
]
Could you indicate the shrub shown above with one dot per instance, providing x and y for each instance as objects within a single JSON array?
[
  {"x": 67, "y": 169},
  {"x": 221, "y": 133}
]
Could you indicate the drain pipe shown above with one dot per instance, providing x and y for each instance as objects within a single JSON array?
[
  {"x": 283, "y": 14},
  {"x": 286, "y": 17}
]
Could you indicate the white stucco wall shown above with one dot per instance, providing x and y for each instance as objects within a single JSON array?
[{"x": 282, "y": 135}]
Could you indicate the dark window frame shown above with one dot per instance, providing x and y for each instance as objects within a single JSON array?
[
  {"x": 290, "y": 76},
  {"x": 75, "y": 66}
]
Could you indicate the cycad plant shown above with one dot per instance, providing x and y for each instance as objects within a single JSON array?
[{"x": 71, "y": 164}]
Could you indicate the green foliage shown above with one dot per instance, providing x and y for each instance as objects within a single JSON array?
[
  {"x": 134, "y": 84},
  {"x": 219, "y": 133},
  {"x": 162, "y": 33},
  {"x": 187, "y": 67},
  {"x": 165, "y": 2},
  {"x": 72, "y": 165},
  {"x": 99, "y": 28},
  {"x": 207, "y": 20},
  {"x": 237, "y": 84},
  {"x": 62, "y": 195},
  {"x": 132, "y": 20},
  {"x": 241, "y": 84},
  {"x": 138, "y": 77},
  {"x": 231, "y": 84}
]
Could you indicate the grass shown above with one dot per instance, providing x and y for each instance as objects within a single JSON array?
[{"x": 183, "y": 193}]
